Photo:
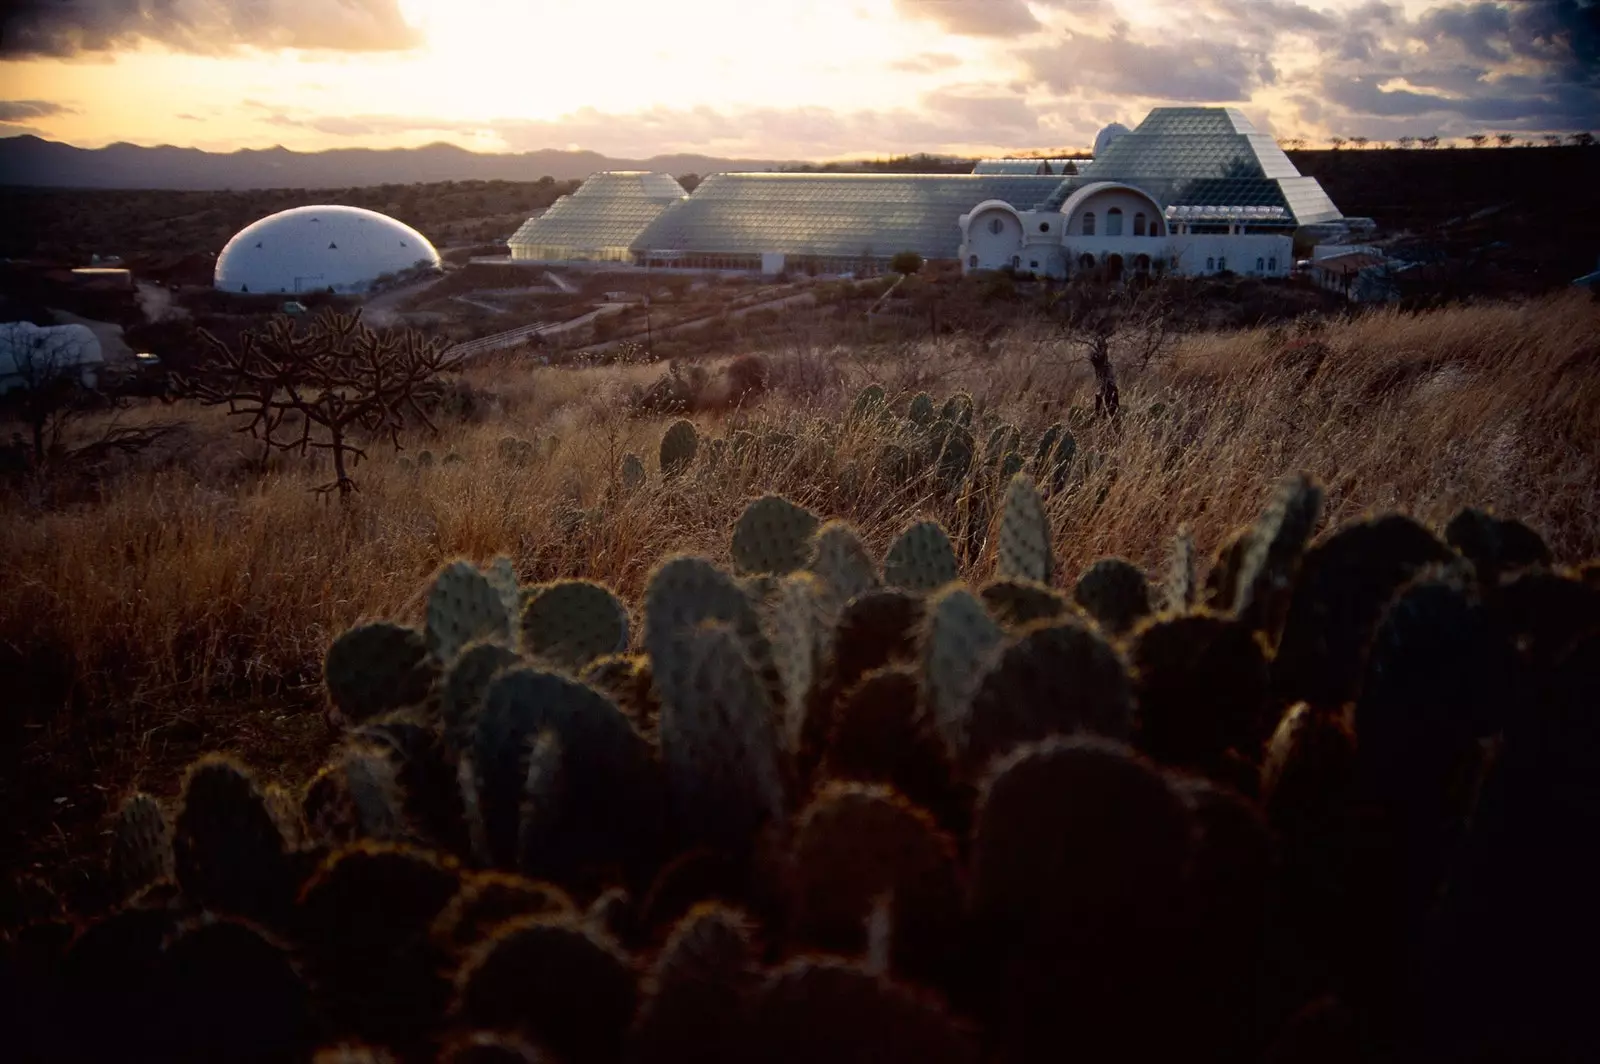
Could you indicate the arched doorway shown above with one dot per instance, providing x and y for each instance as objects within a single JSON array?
[
  {"x": 1085, "y": 262},
  {"x": 1141, "y": 265},
  {"x": 1113, "y": 268}
]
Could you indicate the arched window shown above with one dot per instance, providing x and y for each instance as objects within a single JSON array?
[
  {"x": 1272, "y": 264},
  {"x": 1261, "y": 264},
  {"x": 1114, "y": 222},
  {"x": 1016, "y": 261},
  {"x": 1138, "y": 224},
  {"x": 973, "y": 262},
  {"x": 1086, "y": 262},
  {"x": 1088, "y": 223},
  {"x": 1211, "y": 263},
  {"x": 1222, "y": 263},
  {"x": 996, "y": 226}
]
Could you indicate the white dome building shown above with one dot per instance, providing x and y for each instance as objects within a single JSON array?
[{"x": 314, "y": 249}]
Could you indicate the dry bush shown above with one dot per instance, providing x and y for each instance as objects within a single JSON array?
[{"x": 196, "y": 584}]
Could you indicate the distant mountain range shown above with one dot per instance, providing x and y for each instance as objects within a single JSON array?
[{"x": 30, "y": 160}]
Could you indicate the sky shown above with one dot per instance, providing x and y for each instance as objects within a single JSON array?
[{"x": 781, "y": 79}]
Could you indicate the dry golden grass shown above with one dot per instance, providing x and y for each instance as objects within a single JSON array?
[{"x": 189, "y": 606}]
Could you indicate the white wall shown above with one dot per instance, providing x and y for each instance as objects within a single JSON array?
[
  {"x": 994, "y": 250},
  {"x": 1130, "y": 203}
]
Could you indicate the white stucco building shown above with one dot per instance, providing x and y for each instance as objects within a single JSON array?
[
  {"x": 1192, "y": 190},
  {"x": 318, "y": 249}
]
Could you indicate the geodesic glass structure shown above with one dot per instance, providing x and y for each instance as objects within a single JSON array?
[
  {"x": 836, "y": 221},
  {"x": 599, "y": 221},
  {"x": 1211, "y": 157}
]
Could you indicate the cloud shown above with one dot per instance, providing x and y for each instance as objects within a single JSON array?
[
  {"x": 70, "y": 27},
  {"x": 1196, "y": 69},
  {"x": 973, "y": 18},
  {"x": 13, "y": 112},
  {"x": 926, "y": 63}
]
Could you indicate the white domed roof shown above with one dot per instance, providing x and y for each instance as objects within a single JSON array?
[
  {"x": 313, "y": 249},
  {"x": 1103, "y": 139}
]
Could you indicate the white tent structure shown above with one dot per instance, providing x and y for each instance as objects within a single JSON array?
[
  {"x": 320, "y": 248},
  {"x": 31, "y": 355}
]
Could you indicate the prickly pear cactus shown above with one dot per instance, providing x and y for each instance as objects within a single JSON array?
[
  {"x": 956, "y": 646},
  {"x": 357, "y": 796},
  {"x": 464, "y": 607},
  {"x": 1015, "y": 603},
  {"x": 572, "y": 622},
  {"x": 1024, "y": 552},
  {"x": 610, "y": 812},
  {"x": 626, "y": 680},
  {"x": 868, "y": 405},
  {"x": 893, "y": 465},
  {"x": 1272, "y": 557},
  {"x": 683, "y": 593},
  {"x": 377, "y": 668},
  {"x": 1047, "y": 445},
  {"x": 227, "y": 848},
  {"x": 554, "y": 978},
  {"x": 141, "y": 845},
  {"x": 1495, "y": 545},
  {"x": 856, "y": 843},
  {"x": 842, "y": 564},
  {"x": 957, "y": 408},
  {"x": 1308, "y": 768},
  {"x": 465, "y": 684},
  {"x": 632, "y": 472},
  {"x": 696, "y": 993},
  {"x": 1051, "y": 678},
  {"x": 502, "y": 575},
  {"x": 726, "y": 772},
  {"x": 951, "y": 446},
  {"x": 489, "y": 899},
  {"x": 921, "y": 412},
  {"x": 1203, "y": 688},
  {"x": 1180, "y": 588},
  {"x": 1115, "y": 593},
  {"x": 773, "y": 536},
  {"x": 678, "y": 447},
  {"x": 1004, "y": 439},
  {"x": 921, "y": 559},
  {"x": 798, "y": 622}
]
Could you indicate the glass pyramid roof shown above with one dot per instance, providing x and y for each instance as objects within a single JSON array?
[
  {"x": 607, "y": 211},
  {"x": 1204, "y": 156},
  {"x": 836, "y": 215}
]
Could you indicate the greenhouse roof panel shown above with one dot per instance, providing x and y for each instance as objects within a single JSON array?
[{"x": 607, "y": 211}]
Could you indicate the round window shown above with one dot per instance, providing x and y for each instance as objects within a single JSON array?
[{"x": 1044, "y": 227}]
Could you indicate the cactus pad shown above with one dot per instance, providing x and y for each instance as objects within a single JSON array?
[
  {"x": 465, "y": 684},
  {"x": 957, "y": 643},
  {"x": 921, "y": 412},
  {"x": 1272, "y": 557},
  {"x": 1203, "y": 687},
  {"x": 464, "y": 607},
  {"x": 227, "y": 848},
  {"x": 1495, "y": 545},
  {"x": 1015, "y": 603},
  {"x": 921, "y": 558},
  {"x": 1052, "y": 678},
  {"x": 1115, "y": 593},
  {"x": 698, "y": 988},
  {"x": 1179, "y": 584},
  {"x": 1024, "y": 551},
  {"x": 141, "y": 845},
  {"x": 773, "y": 536},
  {"x": 957, "y": 408},
  {"x": 572, "y": 622},
  {"x": 683, "y": 592},
  {"x": 376, "y": 668},
  {"x": 633, "y": 474},
  {"x": 842, "y": 564},
  {"x": 678, "y": 446}
]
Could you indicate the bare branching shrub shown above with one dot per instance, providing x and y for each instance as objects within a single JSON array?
[{"x": 324, "y": 388}]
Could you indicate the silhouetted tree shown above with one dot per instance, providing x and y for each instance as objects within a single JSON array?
[
  {"x": 1552, "y": 140},
  {"x": 1582, "y": 140},
  {"x": 1337, "y": 142},
  {"x": 1505, "y": 140},
  {"x": 1431, "y": 141},
  {"x": 323, "y": 386},
  {"x": 1478, "y": 139},
  {"x": 1360, "y": 142},
  {"x": 906, "y": 263},
  {"x": 1406, "y": 142}
]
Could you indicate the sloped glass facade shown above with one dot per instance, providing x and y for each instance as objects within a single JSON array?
[
  {"x": 1205, "y": 156},
  {"x": 599, "y": 221},
  {"x": 834, "y": 217}
]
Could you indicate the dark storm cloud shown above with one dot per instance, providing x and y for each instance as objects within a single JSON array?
[
  {"x": 973, "y": 18},
  {"x": 71, "y": 27}
]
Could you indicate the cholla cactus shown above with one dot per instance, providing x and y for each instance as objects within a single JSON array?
[
  {"x": 464, "y": 606},
  {"x": 376, "y": 668},
  {"x": 572, "y": 622},
  {"x": 1025, "y": 551},
  {"x": 678, "y": 447},
  {"x": 921, "y": 558},
  {"x": 773, "y": 536}
]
